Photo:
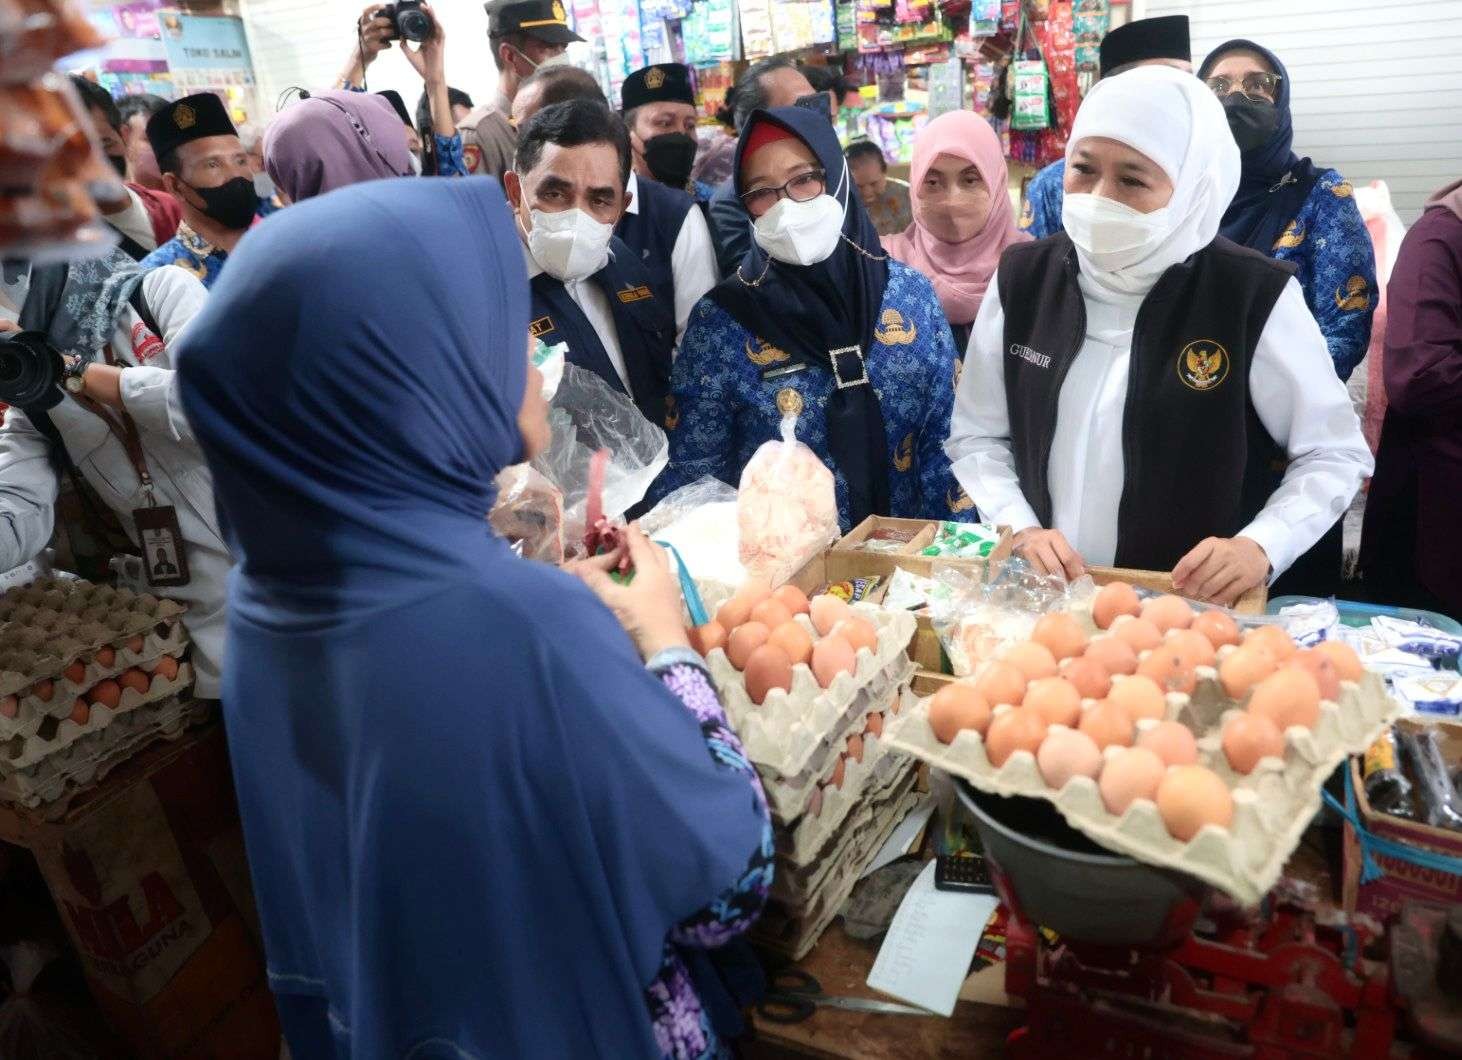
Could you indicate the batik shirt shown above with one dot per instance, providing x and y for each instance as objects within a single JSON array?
[
  {"x": 191, "y": 252},
  {"x": 730, "y": 389},
  {"x": 1044, "y": 194},
  {"x": 681, "y": 1027},
  {"x": 701, "y": 191}
]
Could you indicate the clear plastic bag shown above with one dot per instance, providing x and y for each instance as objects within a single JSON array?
[
  {"x": 34, "y": 1027},
  {"x": 529, "y": 513},
  {"x": 587, "y": 415},
  {"x": 975, "y": 618},
  {"x": 787, "y": 508},
  {"x": 674, "y": 507},
  {"x": 699, "y": 519}
]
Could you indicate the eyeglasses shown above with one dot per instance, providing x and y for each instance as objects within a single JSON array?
[
  {"x": 801, "y": 188},
  {"x": 1255, "y": 85}
]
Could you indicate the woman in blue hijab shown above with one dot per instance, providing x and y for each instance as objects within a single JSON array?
[
  {"x": 478, "y": 824},
  {"x": 1290, "y": 209},
  {"x": 817, "y": 322}
]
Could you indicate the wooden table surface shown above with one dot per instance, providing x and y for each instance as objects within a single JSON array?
[{"x": 841, "y": 965}]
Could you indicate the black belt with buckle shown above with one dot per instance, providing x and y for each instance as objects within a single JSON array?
[{"x": 849, "y": 367}]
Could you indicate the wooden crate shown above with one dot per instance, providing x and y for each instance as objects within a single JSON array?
[{"x": 1252, "y": 602}]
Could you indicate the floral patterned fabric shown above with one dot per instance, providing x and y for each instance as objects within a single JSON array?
[
  {"x": 190, "y": 252},
  {"x": 729, "y": 390},
  {"x": 681, "y": 1028},
  {"x": 1327, "y": 243}
]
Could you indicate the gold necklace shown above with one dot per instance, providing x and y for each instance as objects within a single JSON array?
[{"x": 757, "y": 282}]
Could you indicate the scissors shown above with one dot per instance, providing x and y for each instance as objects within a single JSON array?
[{"x": 794, "y": 995}]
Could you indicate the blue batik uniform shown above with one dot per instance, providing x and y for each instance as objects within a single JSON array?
[
  {"x": 1041, "y": 214},
  {"x": 190, "y": 252},
  {"x": 703, "y": 191},
  {"x": 729, "y": 391}
]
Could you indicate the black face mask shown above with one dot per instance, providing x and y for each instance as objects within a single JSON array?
[
  {"x": 119, "y": 163},
  {"x": 232, "y": 204},
  {"x": 670, "y": 157},
  {"x": 1253, "y": 121}
]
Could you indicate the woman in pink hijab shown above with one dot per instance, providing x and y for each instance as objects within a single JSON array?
[{"x": 963, "y": 220}]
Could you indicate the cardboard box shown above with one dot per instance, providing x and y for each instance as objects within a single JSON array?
[
  {"x": 149, "y": 875},
  {"x": 1403, "y": 881},
  {"x": 1252, "y": 602},
  {"x": 847, "y": 549}
]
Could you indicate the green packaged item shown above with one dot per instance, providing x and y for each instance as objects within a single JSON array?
[{"x": 963, "y": 541}]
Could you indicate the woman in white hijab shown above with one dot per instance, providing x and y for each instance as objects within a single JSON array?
[{"x": 1130, "y": 382}]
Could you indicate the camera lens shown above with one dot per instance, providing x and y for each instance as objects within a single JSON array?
[
  {"x": 12, "y": 368},
  {"x": 413, "y": 25}
]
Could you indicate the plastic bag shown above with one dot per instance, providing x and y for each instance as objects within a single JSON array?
[
  {"x": 32, "y": 1026},
  {"x": 529, "y": 513},
  {"x": 699, "y": 519},
  {"x": 975, "y": 618},
  {"x": 787, "y": 508},
  {"x": 674, "y": 507},
  {"x": 549, "y": 360},
  {"x": 587, "y": 415}
]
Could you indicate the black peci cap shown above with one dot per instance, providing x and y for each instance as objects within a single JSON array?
[
  {"x": 661, "y": 83},
  {"x": 1147, "y": 38},
  {"x": 188, "y": 119},
  {"x": 545, "y": 19}
]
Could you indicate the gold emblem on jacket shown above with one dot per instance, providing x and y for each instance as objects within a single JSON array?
[
  {"x": 1344, "y": 190},
  {"x": 672, "y": 413},
  {"x": 958, "y": 500},
  {"x": 1203, "y": 365},
  {"x": 789, "y": 402},
  {"x": 894, "y": 330},
  {"x": 1292, "y": 236},
  {"x": 1354, "y": 295},
  {"x": 903, "y": 456},
  {"x": 761, "y": 353}
]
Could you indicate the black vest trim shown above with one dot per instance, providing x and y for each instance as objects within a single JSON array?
[{"x": 652, "y": 230}]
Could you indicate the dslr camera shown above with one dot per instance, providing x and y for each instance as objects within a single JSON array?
[
  {"x": 31, "y": 370},
  {"x": 411, "y": 22}
]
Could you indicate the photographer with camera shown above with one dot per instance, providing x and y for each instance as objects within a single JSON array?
[{"x": 86, "y": 364}]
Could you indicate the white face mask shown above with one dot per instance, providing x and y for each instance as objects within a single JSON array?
[
  {"x": 568, "y": 245},
  {"x": 561, "y": 59},
  {"x": 802, "y": 233},
  {"x": 1114, "y": 236},
  {"x": 263, "y": 186}
]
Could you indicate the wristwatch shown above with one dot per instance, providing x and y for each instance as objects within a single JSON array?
[{"x": 72, "y": 375}]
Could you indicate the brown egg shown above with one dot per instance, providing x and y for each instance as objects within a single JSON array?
[
  {"x": 858, "y": 632},
  {"x": 1191, "y": 797},
  {"x": 106, "y": 694},
  {"x": 1139, "y": 696},
  {"x": 1015, "y": 730},
  {"x": 1066, "y": 753},
  {"x": 874, "y": 725},
  {"x": 839, "y": 772},
  {"x": 1113, "y": 599},
  {"x": 9, "y": 706},
  {"x": 134, "y": 644},
  {"x": 1243, "y": 669},
  {"x": 1171, "y": 741},
  {"x": 855, "y": 748},
  {"x": 768, "y": 668},
  {"x": 1108, "y": 724},
  {"x": 1218, "y": 627},
  {"x": 706, "y": 639},
  {"x": 43, "y": 690},
  {"x": 1322, "y": 668},
  {"x": 999, "y": 682},
  {"x": 1167, "y": 668},
  {"x": 1288, "y": 697},
  {"x": 1141, "y": 634},
  {"x": 135, "y": 679},
  {"x": 1168, "y": 612},
  {"x": 1347, "y": 662},
  {"x": 827, "y": 612},
  {"x": 957, "y": 706},
  {"x": 793, "y": 599},
  {"x": 166, "y": 668},
  {"x": 76, "y": 672},
  {"x": 832, "y": 656},
  {"x": 1193, "y": 646},
  {"x": 1114, "y": 653},
  {"x": 1055, "y": 699},
  {"x": 1247, "y": 738},
  {"x": 744, "y": 640},
  {"x": 80, "y": 712},
  {"x": 1133, "y": 774},
  {"x": 1088, "y": 675},
  {"x": 106, "y": 658},
  {"x": 771, "y": 613},
  {"x": 1275, "y": 640},
  {"x": 1061, "y": 634},
  {"x": 737, "y": 610},
  {"x": 1032, "y": 659},
  {"x": 794, "y": 640}
]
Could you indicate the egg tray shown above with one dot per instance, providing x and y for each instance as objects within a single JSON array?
[
  {"x": 52, "y": 782},
  {"x": 166, "y": 638},
  {"x": 1272, "y": 806},
  {"x": 792, "y": 930},
  {"x": 784, "y": 733},
  {"x": 56, "y": 737}
]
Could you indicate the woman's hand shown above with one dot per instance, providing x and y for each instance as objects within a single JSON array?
[
  {"x": 1222, "y": 569},
  {"x": 373, "y": 35},
  {"x": 649, "y": 606},
  {"x": 429, "y": 59},
  {"x": 1049, "y": 553}
]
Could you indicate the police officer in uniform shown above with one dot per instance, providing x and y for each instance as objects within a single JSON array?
[
  {"x": 661, "y": 223},
  {"x": 590, "y": 290}
]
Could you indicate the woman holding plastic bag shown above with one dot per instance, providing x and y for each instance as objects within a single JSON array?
[{"x": 817, "y": 325}]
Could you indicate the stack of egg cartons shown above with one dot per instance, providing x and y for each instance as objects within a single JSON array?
[
  {"x": 88, "y": 674},
  {"x": 836, "y": 791}
]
